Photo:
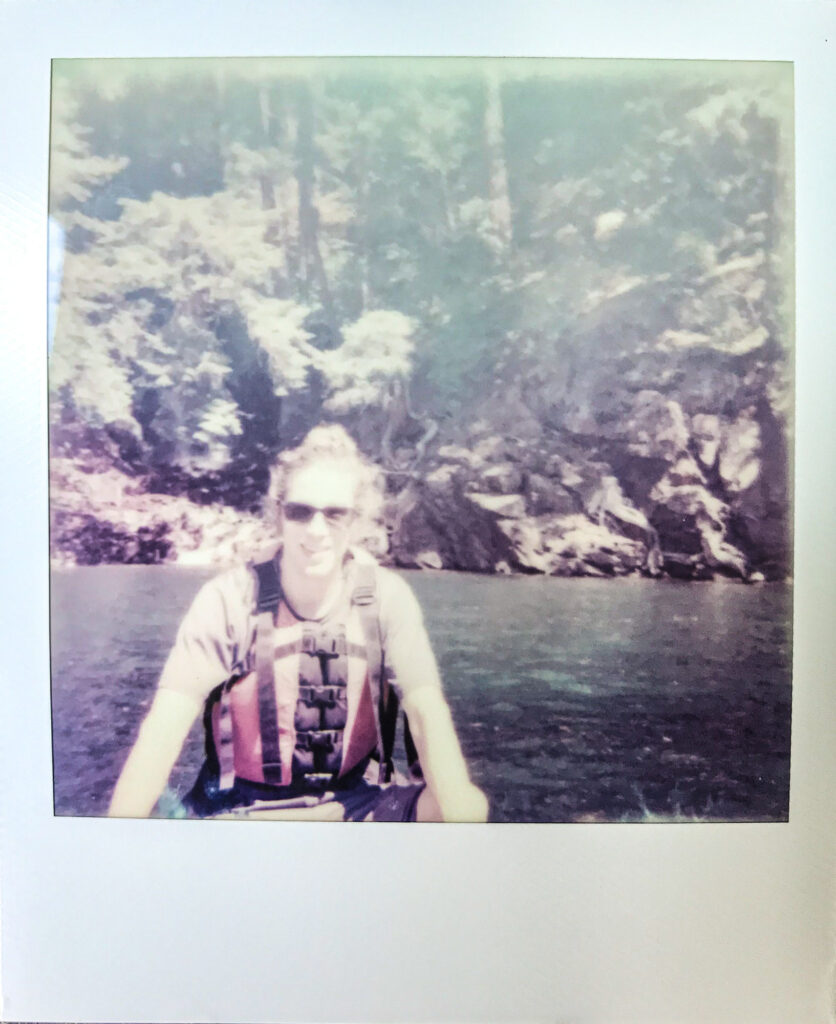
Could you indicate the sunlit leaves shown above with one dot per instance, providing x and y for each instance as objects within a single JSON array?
[
  {"x": 219, "y": 422},
  {"x": 74, "y": 171},
  {"x": 376, "y": 350},
  {"x": 277, "y": 326}
]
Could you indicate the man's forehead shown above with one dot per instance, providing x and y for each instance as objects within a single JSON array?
[{"x": 322, "y": 479}]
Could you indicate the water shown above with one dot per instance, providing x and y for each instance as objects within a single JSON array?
[{"x": 575, "y": 700}]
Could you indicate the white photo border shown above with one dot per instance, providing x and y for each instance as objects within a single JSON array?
[{"x": 182, "y": 921}]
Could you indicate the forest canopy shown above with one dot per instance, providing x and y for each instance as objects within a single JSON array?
[{"x": 414, "y": 246}]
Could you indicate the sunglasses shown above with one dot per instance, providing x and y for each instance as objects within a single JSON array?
[{"x": 335, "y": 515}]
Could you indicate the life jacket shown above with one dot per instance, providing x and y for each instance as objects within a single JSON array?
[{"x": 249, "y": 735}]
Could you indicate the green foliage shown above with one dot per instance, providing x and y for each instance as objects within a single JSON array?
[
  {"x": 251, "y": 249},
  {"x": 376, "y": 350},
  {"x": 75, "y": 172}
]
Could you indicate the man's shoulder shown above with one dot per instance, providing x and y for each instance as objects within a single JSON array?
[
  {"x": 233, "y": 585},
  {"x": 395, "y": 598},
  {"x": 387, "y": 582}
]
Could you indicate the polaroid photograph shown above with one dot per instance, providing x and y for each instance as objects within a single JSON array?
[
  {"x": 417, "y": 415},
  {"x": 516, "y": 336}
]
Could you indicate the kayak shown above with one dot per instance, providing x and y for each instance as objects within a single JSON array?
[{"x": 302, "y": 808}]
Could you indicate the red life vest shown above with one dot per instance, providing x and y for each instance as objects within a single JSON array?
[{"x": 317, "y": 704}]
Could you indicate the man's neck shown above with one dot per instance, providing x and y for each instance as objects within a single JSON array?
[{"x": 312, "y": 598}]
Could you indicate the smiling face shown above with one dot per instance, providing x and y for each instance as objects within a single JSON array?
[{"x": 314, "y": 546}]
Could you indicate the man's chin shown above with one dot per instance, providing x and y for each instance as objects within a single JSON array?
[{"x": 319, "y": 564}]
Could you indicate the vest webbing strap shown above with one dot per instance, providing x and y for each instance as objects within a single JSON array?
[
  {"x": 267, "y": 605},
  {"x": 384, "y": 700},
  {"x": 295, "y": 646},
  {"x": 411, "y": 751},
  {"x": 226, "y": 748}
]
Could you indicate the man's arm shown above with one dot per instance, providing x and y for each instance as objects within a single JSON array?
[
  {"x": 149, "y": 764},
  {"x": 453, "y": 796},
  {"x": 203, "y": 656}
]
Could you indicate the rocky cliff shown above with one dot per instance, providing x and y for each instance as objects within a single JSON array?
[
  {"x": 669, "y": 460},
  {"x": 628, "y": 448}
]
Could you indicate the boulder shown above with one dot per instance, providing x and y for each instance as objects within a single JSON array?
[
  {"x": 444, "y": 475},
  {"x": 104, "y": 517},
  {"x": 503, "y": 478},
  {"x": 761, "y": 514},
  {"x": 440, "y": 518},
  {"x": 509, "y": 416},
  {"x": 610, "y": 508},
  {"x": 429, "y": 560},
  {"x": 655, "y": 427},
  {"x": 529, "y": 548},
  {"x": 685, "y": 471},
  {"x": 491, "y": 449},
  {"x": 705, "y": 435},
  {"x": 579, "y": 416},
  {"x": 685, "y": 567},
  {"x": 692, "y": 526},
  {"x": 739, "y": 461},
  {"x": 544, "y": 495},
  {"x": 719, "y": 553},
  {"x": 509, "y": 506},
  {"x": 87, "y": 540},
  {"x": 558, "y": 467},
  {"x": 460, "y": 455},
  {"x": 578, "y": 546}
]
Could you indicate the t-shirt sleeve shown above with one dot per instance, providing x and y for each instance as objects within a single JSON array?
[
  {"x": 211, "y": 640},
  {"x": 410, "y": 662}
]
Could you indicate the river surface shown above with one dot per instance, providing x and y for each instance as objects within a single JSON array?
[{"x": 575, "y": 699}]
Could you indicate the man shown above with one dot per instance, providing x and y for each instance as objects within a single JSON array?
[{"x": 290, "y": 662}]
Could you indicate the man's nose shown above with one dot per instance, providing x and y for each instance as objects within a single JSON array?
[{"x": 318, "y": 523}]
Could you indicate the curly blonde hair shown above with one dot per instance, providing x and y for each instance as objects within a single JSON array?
[{"x": 331, "y": 443}]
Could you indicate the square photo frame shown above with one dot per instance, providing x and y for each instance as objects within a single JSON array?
[{"x": 141, "y": 893}]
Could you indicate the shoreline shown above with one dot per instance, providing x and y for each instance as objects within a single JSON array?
[{"x": 57, "y": 565}]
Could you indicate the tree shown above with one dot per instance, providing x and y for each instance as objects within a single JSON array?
[{"x": 75, "y": 171}]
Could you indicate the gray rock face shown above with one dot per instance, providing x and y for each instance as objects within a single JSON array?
[
  {"x": 504, "y": 478},
  {"x": 102, "y": 517},
  {"x": 438, "y": 517},
  {"x": 705, "y": 436},
  {"x": 507, "y": 506},
  {"x": 739, "y": 462},
  {"x": 545, "y": 495},
  {"x": 655, "y": 427},
  {"x": 662, "y": 461}
]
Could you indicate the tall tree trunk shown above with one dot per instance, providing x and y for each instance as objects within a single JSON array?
[
  {"x": 268, "y": 193},
  {"x": 500, "y": 202},
  {"x": 446, "y": 202},
  {"x": 399, "y": 414},
  {"x": 313, "y": 268},
  {"x": 363, "y": 227}
]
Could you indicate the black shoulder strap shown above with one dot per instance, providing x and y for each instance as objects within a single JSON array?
[
  {"x": 267, "y": 598},
  {"x": 269, "y": 588},
  {"x": 384, "y": 698},
  {"x": 364, "y": 597},
  {"x": 411, "y": 751}
]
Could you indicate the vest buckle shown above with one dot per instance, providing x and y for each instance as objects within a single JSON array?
[{"x": 363, "y": 594}]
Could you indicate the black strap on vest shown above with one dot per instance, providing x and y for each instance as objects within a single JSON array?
[
  {"x": 268, "y": 596},
  {"x": 384, "y": 699}
]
